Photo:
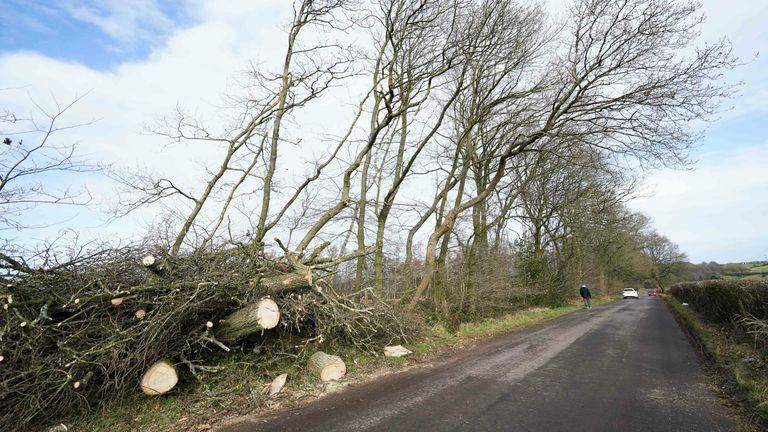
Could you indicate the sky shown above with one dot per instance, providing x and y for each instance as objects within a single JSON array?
[{"x": 138, "y": 60}]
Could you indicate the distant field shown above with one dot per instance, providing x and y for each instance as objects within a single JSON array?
[{"x": 746, "y": 271}]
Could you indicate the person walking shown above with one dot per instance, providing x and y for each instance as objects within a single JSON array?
[{"x": 586, "y": 295}]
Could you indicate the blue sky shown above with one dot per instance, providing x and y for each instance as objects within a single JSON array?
[
  {"x": 733, "y": 133},
  {"x": 140, "y": 59},
  {"x": 99, "y": 34}
]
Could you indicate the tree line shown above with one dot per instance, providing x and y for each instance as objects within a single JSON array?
[{"x": 485, "y": 163}]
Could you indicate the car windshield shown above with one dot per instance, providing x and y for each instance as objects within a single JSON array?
[{"x": 629, "y": 289}]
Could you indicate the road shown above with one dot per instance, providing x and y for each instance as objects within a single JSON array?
[{"x": 625, "y": 366}]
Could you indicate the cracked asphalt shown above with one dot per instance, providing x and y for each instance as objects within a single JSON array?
[{"x": 624, "y": 366}]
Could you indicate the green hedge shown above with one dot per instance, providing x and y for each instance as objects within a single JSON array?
[{"x": 725, "y": 301}]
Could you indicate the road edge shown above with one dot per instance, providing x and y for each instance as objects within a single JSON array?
[
  {"x": 719, "y": 370},
  {"x": 450, "y": 350}
]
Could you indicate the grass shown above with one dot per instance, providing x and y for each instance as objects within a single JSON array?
[
  {"x": 438, "y": 338},
  {"x": 238, "y": 389},
  {"x": 507, "y": 323},
  {"x": 727, "y": 349}
]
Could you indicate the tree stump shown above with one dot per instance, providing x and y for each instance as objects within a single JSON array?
[
  {"x": 327, "y": 367},
  {"x": 160, "y": 378},
  {"x": 262, "y": 315}
]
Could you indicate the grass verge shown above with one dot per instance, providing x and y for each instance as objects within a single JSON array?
[
  {"x": 738, "y": 362},
  {"x": 238, "y": 388},
  {"x": 438, "y": 338}
]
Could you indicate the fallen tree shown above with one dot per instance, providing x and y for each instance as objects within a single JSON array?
[{"x": 109, "y": 325}]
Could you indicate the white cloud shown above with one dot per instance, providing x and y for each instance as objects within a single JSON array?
[
  {"x": 191, "y": 69},
  {"x": 716, "y": 212},
  {"x": 128, "y": 22}
]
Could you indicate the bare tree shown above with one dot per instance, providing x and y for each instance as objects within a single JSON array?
[
  {"x": 34, "y": 170},
  {"x": 626, "y": 82},
  {"x": 511, "y": 119},
  {"x": 663, "y": 255},
  {"x": 252, "y": 141}
]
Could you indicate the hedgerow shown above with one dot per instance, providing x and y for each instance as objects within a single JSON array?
[{"x": 743, "y": 303}]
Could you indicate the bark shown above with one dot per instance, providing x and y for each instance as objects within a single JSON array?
[
  {"x": 361, "y": 209},
  {"x": 299, "y": 279}
]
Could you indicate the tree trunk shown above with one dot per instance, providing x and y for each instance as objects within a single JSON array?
[
  {"x": 160, "y": 378},
  {"x": 327, "y": 367},
  {"x": 361, "y": 209},
  {"x": 299, "y": 279},
  {"x": 378, "y": 257},
  {"x": 286, "y": 83},
  {"x": 389, "y": 199},
  {"x": 255, "y": 317},
  {"x": 429, "y": 261},
  {"x": 153, "y": 265}
]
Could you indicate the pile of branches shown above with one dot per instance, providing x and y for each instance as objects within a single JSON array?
[{"x": 75, "y": 335}]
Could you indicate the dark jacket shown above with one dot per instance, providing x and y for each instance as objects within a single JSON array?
[{"x": 584, "y": 292}]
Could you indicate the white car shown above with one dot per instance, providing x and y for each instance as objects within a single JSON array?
[{"x": 630, "y": 293}]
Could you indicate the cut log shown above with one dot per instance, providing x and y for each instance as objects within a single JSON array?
[
  {"x": 255, "y": 317},
  {"x": 286, "y": 282},
  {"x": 277, "y": 384},
  {"x": 117, "y": 301},
  {"x": 160, "y": 378},
  {"x": 148, "y": 261},
  {"x": 140, "y": 314},
  {"x": 396, "y": 351},
  {"x": 83, "y": 382},
  {"x": 153, "y": 264},
  {"x": 327, "y": 367}
]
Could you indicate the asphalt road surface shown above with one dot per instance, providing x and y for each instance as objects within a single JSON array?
[{"x": 625, "y": 366}]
